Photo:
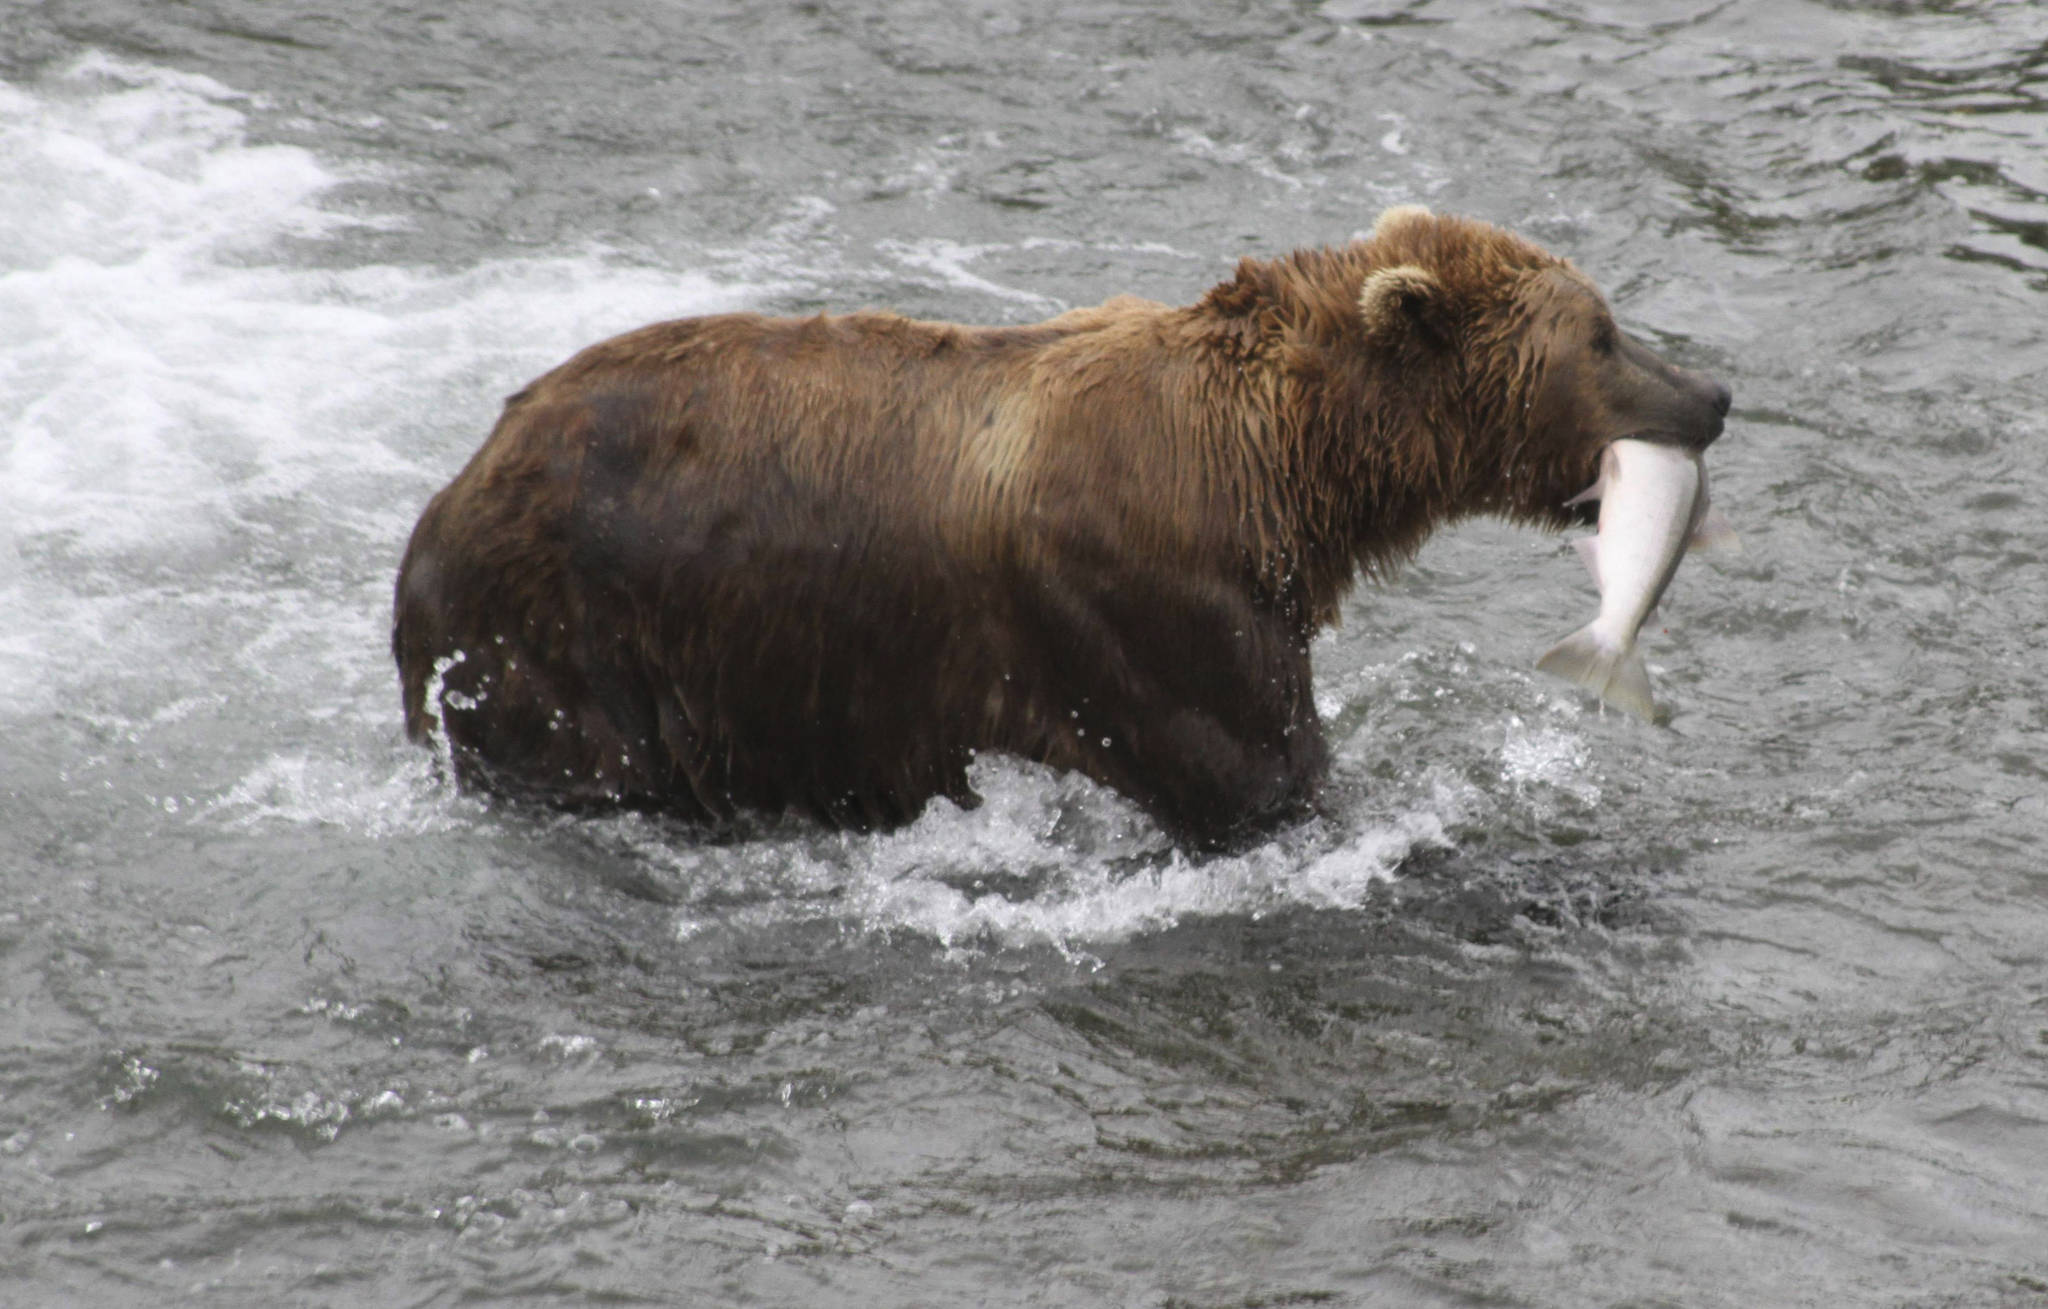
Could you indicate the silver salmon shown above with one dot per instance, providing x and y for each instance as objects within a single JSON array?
[{"x": 1653, "y": 508}]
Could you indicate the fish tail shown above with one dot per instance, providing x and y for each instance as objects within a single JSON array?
[{"x": 1614, "y": 673}]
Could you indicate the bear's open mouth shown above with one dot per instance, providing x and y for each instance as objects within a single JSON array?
[{"x": 1687, "y": 433}]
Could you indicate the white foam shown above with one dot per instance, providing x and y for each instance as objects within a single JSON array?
[
  {"x": 1541, "y": 761},
  {"x": 1048, "y": 859},
  {"x": 1096, "y": 902},
  {"x": 306, "y": 790},
  {"x": 120, "y": 163},
  {"x": 177, "y": 398},
  {"x": 1392, "y": 141},
  {"x": 1253, "y": 159},
  {"x": 949, "y": 260}
]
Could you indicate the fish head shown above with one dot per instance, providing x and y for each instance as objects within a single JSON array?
[{"x": 1584, "y": 384}]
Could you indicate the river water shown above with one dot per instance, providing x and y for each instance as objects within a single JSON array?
[{"x": 1552, "y": 1009}]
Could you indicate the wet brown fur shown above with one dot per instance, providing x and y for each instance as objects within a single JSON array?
[{"x": 818, "y": 564}]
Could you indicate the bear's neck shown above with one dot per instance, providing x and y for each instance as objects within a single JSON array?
[{"x": 1361, "y": 452}]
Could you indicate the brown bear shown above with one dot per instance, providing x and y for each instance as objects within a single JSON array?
[{"x": 816, "y": 565}]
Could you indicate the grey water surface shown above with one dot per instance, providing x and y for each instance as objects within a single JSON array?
[{"x": 1551, "y": 1009}]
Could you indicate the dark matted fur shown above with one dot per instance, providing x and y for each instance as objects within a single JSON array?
[{"x": 818, "y": 564}]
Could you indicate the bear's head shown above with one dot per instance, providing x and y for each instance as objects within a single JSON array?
[{"x": 1526, "y": 351}]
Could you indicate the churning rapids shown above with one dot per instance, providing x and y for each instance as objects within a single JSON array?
[{"x": 1553, "y": 1008}]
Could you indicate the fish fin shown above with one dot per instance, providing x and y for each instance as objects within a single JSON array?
[
  {"x": 1715, "y": 532},
  {"x": 1629, "y": 688},
  {"x": 1609, "y": 466},
  {"x": 1589, "y": 554},
  {"x": 1615, "y": 674}
]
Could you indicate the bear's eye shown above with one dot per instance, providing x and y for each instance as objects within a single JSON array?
[{"x": 1603, "y": 339}]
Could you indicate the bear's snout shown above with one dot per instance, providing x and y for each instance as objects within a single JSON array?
[{"x": 1719, "y": 399}]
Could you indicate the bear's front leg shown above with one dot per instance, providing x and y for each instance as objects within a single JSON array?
[{"x": 1191, "y": 698}]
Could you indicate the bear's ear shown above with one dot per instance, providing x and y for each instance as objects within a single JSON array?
[
  {"x": 1404, "y": 297},
  {"x": 1398, "y": 216}
]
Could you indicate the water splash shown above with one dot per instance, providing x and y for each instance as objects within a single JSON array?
[
  {"x": 413, "y": 798},
  {"x": 1048, "y": 859}
]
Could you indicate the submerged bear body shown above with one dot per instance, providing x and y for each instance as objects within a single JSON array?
[{"x": 818, "y": 565}]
